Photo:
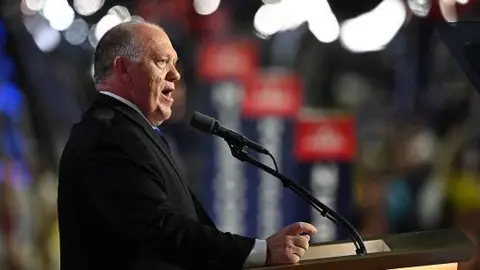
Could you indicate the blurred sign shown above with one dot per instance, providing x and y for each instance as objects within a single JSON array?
[
  {"x": 225, "y": 180},
  {"x": 325, "y": 138},
  {"x": 273, "y": 93},
  {"x": 324, "y": 184},
  {"x": 228, "y": 60},
  {"x": 271, "y": 102},
  {"x": 324, "y": 148}
]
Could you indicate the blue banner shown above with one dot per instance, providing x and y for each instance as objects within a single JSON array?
[
  {"x": 271, "y": 205},
  {"x": 225, "y": 183},
  {"x": 329, "y": 182},
  {"x": 241, "y": 198}
]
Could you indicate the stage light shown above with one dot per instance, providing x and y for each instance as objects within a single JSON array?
[
  {"x": 266, "y": 21},
  {"x": 87, "y": 7},
  {"x": 46, "y": 38},
  {"x": 373, "y": 30},
  {"x": 290, "y": 14},
  {"x": 35, "y": 5},
  {"x": 106, "y": 23},
  {"x": 322, "y": 22},
  {"x": 206, "y": 7},
  {"x": 77, "y": 33},
  {"x": 271, "y": 1},
  {"x": 420, "y": 8},
  {"x": 59, "y": 14},
  {"x": 114, "y": 17}
]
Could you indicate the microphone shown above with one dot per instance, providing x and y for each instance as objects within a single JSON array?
[
  {"x": 236, "y": 142},
  {"x": 210, "y": 125}
]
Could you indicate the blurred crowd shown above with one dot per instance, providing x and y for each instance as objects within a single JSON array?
[{"x": 417, "y": 164}]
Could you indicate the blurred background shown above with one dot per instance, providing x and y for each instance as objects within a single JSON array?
[{"x": 359, "y": 101}]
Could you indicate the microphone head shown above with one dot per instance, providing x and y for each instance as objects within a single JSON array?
[{"x": 202, "y": 122}]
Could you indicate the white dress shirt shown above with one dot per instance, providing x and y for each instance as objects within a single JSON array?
[{"x": 258, "y": 255}]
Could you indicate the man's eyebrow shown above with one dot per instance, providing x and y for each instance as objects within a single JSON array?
[{"x": 172, "y": 57}]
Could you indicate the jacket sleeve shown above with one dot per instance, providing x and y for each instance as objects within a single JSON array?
[{"x": 128, "y": 195}]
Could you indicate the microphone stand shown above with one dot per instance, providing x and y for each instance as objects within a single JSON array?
[{"x": 239, "y": 152}]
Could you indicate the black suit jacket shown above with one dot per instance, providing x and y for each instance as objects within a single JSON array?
[{"x": 123, "y": 203}]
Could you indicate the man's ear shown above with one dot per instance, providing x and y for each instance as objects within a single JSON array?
[{"x": 121, "y": 68}]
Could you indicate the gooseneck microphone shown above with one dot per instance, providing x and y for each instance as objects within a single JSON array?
[
  {"x": 238, "y": 143},
  {"x": 212, "y": 126}
]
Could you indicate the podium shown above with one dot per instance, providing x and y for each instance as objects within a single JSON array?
[{"x": 429, "y": 250}]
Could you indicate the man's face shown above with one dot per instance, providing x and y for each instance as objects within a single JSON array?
[{"x": 153, "y": 78}]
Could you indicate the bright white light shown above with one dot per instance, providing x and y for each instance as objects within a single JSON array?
[
  {"x": 106, "y": 23},
  {"x": 120, "y": 11},
  {"x": 59, "y": 14},
  {"x": 92, "y": 71},
  {"x": 136, "y": 18},
  {"x": 114, "y": 17},
  {"x": 283, "y": 16},
  {"x": 290, "y": 14},
  {"x": 373, "y": 30},
  {"x": 266, "y": 20},
  {"x": 271, "y": 1},
  {"x": 420, "y": 8},
  {"x": 26, "y": 10},
  {"x": 63, "y": 20},
  {"x": 294, "y": 13},
  {"x": 322, "y": 22},
  {"x": 46, "y": 38},
  {"x": 87, "y": 7},
  {"x": 77, "y": 32},
  {"x": 35, "y": 4},
  {"x": 206, "y": 7},
  {"x": 91, "y": 36},
  {"x": 280, "y": 16},
  {"x": 326, "y": 30},
  {"x": 32, "y": 23}
]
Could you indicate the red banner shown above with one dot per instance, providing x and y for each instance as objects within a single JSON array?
[
  {"x": 273, "y": 93},
  {"x": 325, "y": 139},
  {"x": 227, "y": 60}
]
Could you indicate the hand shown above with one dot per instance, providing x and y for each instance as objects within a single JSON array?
[{"x": 289, "y": 244}]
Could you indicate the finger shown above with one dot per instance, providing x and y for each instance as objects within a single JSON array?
[
  {"x": 307, "y": 236},
  {"x": 299, "y": 252},
  {"x": 294, "y": 258},
  {"x": 300, "y": 227},
  {"x": 301, "y": 241},
  {"x": 291, "y": 256}
]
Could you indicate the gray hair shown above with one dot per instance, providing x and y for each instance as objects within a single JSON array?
[{"x": 118, "y": 41}]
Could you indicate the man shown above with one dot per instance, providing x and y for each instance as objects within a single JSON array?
[{"x": 122, "y": 201}]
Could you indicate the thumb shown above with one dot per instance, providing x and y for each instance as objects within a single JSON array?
[{"x": 300, "y": 228}]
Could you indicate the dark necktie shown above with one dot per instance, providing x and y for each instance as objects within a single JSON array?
[{"x": 159, "y": 133}]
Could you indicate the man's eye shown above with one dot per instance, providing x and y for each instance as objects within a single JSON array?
[{"x": 163, "y": 62}]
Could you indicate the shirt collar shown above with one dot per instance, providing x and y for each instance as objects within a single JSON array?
[{"x": 128, "y": 103}]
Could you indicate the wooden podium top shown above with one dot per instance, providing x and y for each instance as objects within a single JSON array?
[{"x": 388, "y": 252}]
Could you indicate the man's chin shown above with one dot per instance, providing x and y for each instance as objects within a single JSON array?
[{"x": 160, "y": 116}]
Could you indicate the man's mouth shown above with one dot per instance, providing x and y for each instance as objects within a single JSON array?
[{"x": 167, "y": 92}]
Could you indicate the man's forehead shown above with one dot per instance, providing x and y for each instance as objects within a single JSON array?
[
  {"x": 156, "y": 40},
  {"x": 161, "y": 48}
]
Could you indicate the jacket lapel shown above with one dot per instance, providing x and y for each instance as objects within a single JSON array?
[{"x": 144, "y": 125}]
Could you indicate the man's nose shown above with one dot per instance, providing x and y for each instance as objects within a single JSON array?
[{"x": 173, "y": 75}]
